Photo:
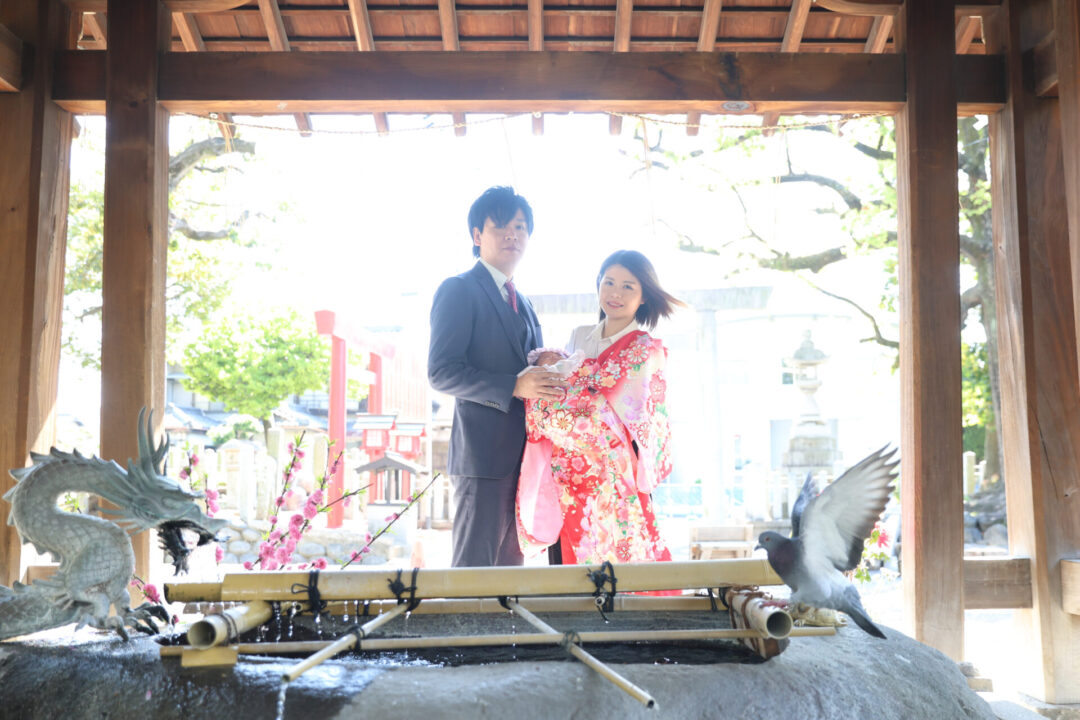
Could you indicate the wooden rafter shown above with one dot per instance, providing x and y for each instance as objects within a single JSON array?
[
  {"x": 966, "y": 27},
  {"x": 710, "y": 24},
  {"x": 193, "y": 42},
  {"x": 448, "y": 25},
  {"x": 430, "y": 82},
  {"x": 879, "y": 34},
  {"x": 10, "y": 61},
  {"x": 793, "y": 35},
  {"x": 365, "y": 42},
  {"x": 536, "y": 43},
  {"x": 97, "y": 25},
  {"x": 624, "y": 10},
  {"x": 279, "y": 42}
]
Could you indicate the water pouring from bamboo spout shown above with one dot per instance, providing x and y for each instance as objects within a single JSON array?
[{"x": 345, "y": 642}]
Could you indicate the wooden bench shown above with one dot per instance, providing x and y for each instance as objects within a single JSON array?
[{"x": 721, "y": 541}]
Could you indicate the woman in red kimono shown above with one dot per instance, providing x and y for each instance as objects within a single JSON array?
[{"x": 593, "y": 458}]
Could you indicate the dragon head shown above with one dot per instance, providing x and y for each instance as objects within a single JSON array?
[{"x": 145, "y": 498}]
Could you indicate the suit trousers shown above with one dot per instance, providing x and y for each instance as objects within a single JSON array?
[{"x": 485, "y": 527}]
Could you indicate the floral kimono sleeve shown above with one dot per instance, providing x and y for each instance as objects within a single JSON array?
[{"x": 638, "y": 398}]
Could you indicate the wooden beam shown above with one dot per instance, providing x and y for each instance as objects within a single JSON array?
[
  {"x": 35, "y": 145},
  {"x": 997, "y": 583},
  {"x": 1040, "y": 388},
  {"x": 188, "y": 6},
  {"x": 929, "y": 205},
  {"x": 427, "y": 82},
  {"x": 365, "y": 42},
  {"x": 793, "y": 33},
  {"x": 624, "y": 10},
  {"x": 193, "y": 42},
  {"x": 449, "y": 27},
  {"x": 536, "y": 44},
  {"x": 10, "y": 61},
  {"x": 710, "y": 25},
  {"x": 134, "y": 248},
  {"x": 279, "y": 42}
]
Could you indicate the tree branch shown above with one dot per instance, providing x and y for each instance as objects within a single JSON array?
[
  {"x": 872, "y": 152},
  {"x": 184, "y": 161},
  {"x": 878, "y": 337},
  {"x": 971, "y": 298},
  {"x": 974, "y": 249},
  {"x": 850, "y": 199},
  {"x": 814, "y": 263},
  {"x": 181, "y": 226}
]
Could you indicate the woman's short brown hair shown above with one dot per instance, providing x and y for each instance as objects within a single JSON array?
[{"x": 656, "y": 302}]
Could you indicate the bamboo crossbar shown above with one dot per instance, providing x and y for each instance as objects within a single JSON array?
[
  {"x": 340, "y": 645},
  {"x": 478, "y": 582},
  {"x": 569, "y": 642},
  {"x": 420, "y": 643}
]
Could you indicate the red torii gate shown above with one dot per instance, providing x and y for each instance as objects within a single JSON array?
[{"x": 343, "y": 330}]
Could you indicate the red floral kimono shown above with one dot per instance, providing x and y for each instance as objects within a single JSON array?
[{"x": 582, "y": 479}]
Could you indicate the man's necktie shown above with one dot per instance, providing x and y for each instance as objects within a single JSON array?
[{"x": 511, "y": 295}]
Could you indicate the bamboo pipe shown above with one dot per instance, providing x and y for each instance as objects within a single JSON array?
[
  {"x": 769, "y": 620},
  {"x": 341, "y": 644},
  {"x": 483, "y": 582},
  {"x": 629, "y": 603},
  {"x": 578, "y": 652},
  {"x": 417, "y": 643},
  {"x": 216, "y": 629},
  {"x": 552, "y": 604}
]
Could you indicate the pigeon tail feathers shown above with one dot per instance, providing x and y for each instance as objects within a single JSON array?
[
  {"x": 865, "y": 623},
  {"x": 853, "y": 606}
]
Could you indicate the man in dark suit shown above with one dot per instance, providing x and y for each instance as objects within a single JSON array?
[{"x": 482, "y": 329}]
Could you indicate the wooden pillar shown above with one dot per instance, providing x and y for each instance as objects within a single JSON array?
[
  {"x": 1040, "y": 390},
  {"x": 136, "y": 213},
  {"x": 35, "y": 144},
  {"x": 931, "y": 479},
  {"x": 1067, "y": 55}
]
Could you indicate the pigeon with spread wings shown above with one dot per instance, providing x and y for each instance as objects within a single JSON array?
[{"x": 827, "y": 535}]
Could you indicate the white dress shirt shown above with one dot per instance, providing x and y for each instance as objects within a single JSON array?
[
  {"x": 589, "y": 338},
  {"x": 499, "y": 277}
]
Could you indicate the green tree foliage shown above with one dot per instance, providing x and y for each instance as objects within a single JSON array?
[
  {"x": 208, "y": 242},
  {"x": 252, "y": 366},
  {"x": 978, "y": 407}
]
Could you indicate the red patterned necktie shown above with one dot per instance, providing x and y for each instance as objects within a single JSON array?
[{"x": 511, "y": 295}]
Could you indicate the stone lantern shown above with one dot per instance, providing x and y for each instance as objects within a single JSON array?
[{"x": 811, "y": 448}]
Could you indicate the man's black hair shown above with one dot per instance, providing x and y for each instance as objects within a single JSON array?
[{"x": 500, "y": 203}]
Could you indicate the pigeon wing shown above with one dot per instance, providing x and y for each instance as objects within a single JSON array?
[
  {"x": 809, "y": 492},
  {"x": 835, "y": 524}
]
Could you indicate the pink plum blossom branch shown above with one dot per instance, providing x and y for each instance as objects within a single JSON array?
[{"x": 390, "y": 520}]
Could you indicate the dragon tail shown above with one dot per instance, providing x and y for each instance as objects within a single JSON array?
[{"x": 26, "y": 608}]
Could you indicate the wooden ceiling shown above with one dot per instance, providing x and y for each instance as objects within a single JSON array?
[
  {"x": 509, "y": 26},
  {"x": 478, "y": 25}
]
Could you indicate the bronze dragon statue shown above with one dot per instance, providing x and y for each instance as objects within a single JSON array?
[{"x": 95, "y": 555}]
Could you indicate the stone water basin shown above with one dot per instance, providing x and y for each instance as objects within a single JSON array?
[{"x": 849, "y": 675}]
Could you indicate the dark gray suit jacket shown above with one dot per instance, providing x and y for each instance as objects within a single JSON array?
[{"x": 478, "y": 346}]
